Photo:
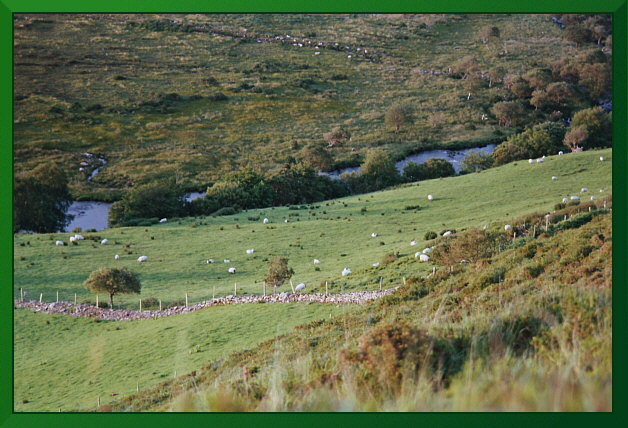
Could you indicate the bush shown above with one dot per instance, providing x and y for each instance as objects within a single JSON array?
[
  {"x": 493, "y": 276},
  {"x": 430, "y": 235},
  {"x": 225, "y": 211}
]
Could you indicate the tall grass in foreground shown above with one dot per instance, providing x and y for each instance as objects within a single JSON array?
[{"x": 536, "y": 340}]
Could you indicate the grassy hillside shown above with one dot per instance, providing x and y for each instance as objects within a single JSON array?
[
  {"x": 150, "y": 101},
  {"x": 336, "y": 232},
  {"x": 536, "y": 338},
  {"x": 66, "y": 363}
]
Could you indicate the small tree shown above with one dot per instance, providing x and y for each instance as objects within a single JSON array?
[
  {"x": 316, "y": 155},
  {"x": 597, "y": 123},
  {"x": 477, "y": 161},
  {"x": 278, "y": 272},
  {"x": 576, "y": 137},
  {"x": 337, "y": 136},
  {"x": 113, "y": 281},
  {"x": 397, "y": 116},
  {"x": 379, "y": 168},
  {"x": 509, "y": 113}
]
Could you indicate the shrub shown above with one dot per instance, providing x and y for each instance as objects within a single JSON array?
[
  {"x": 430, "y": 235},
  {"x": 493, "y": 276},
  {"x": 225, "y": 211}
]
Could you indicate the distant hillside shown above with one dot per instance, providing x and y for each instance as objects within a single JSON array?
[{"x": 195, "y": 96}]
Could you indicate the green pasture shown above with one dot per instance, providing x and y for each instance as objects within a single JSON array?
[
  {"x": 67, "y": 363},
  {"x": 337, "y": 232}
]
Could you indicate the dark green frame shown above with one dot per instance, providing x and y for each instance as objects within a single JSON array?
[{"x": 619, "y": 10}]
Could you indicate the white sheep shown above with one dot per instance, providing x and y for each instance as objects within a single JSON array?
[
  {"x": 565, "y": 200},
  {"x": 226, "y": 261},
  {"x": 59, "y": 243},
  {"x": 593, "y": 198},
  {"x": 575, "y": 198},
  {"x": 601, "y": 190},
  {"x": 540, "y": 160},
  {"x": 317, "y": 53},
  {"x": 560, "y": 153},
  {"x": 317, "y": 262},
  {"x": 530, "y": 161},
  {"x": 375, "y": 264},
  {"x": 427, "y": 250},
  {"x": 346, "y": 271},
  {"x": 116, "y": 257},
  {"x": 209, "y": 261},
  {"x": 374, "y": 235},
  {"x": 584, "y": 190},
  {"x": 430, "y": 197},
  {"x": 602, "y": 158},
  {"x": 299, "y": 287},
  {"x": 554, "y": 177},
  {"x": 424, "y": 258},
  {"x": 508, "y": 227},
  {"x": 73, "y": 239},
  {"x": 447, "y": 233},
  {"x": 142, "y": 259},
  {"x": 78, "y": 237},
  {"x": 413, "y": 243},
  {"x": 232, "y": 270},
  {"x": 163, "y": 220},
  {"x": 251, "y": 251},
  {"x": 81, "y": 169},
  {"x": 285, "y": 221},
  {"x": 104, "y": 242},
  {"x": 266, "y": 221}
]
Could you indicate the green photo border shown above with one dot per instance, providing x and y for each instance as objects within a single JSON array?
[{"x": 620, "y": 160}]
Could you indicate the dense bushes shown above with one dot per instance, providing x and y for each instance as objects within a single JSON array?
[
  {"x": 153, "y": 200},
  {"x": 540, "y": 140}
]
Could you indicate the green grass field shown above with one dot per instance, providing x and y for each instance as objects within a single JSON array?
[
  {"x": 336, "y": 232},
  {"x": 66, "y": 363},
  {"x": 293, "y": 95}
]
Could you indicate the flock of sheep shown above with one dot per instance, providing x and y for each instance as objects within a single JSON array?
[{"x": 421, "y": 255}]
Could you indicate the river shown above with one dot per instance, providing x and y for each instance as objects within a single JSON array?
[{"x": 94, "y": 215}]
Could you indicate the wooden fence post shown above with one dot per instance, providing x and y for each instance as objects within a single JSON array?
[
  {"x": 57, "y": 296},
  {"x": 186, "y": 300},
  {"x": 235, "y": 289},
  {"x": 291, "y": 286},
  {"x": 160, "y": 304},
  {"x": 96, "y": 300},
  {"x": 140, "y": 305},
  {"x": 325, "y": 288},
  {"x": 21, "y": 295},
  {"x": 213, "y": 292},
  {"x": 264, "y": 288},
  {"x": 381, "y": 278},
  {"x": 75, "y": 298},
  {"x": 40, "y": 296}
]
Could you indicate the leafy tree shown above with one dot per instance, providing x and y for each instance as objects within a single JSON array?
[
  {"x": 158, "y": 199},
  {"x": 436, "y": 168},
  {"x": 300, "y": 184},
  {"x": 596, "y": 78},
  {"x": 476, "y": 161},
  {"x": 495, "y": 74},
  {"x": 521, "y": 89},
  {"x": 337, "y": 136},
  {"x": 576, "y": 137},
  {"x": 40, "y": 199},
  {"x": 533, "y": 142},
  {"x": 397, "y": 116},
  {"x": 579, "y": 35},
  {"x": 379, "y": 169},
  {"x": 509, "y": 113},
  {"x": 278, "y": 272},
  {"x": 507, "y": 152},
  {"x": 466, "y": 66},
  {"x": 316, "y": 155},
  {"x": 113, "y": 281},
  {"x": 538, "y": 78},
  {"x": 597, "y": 123},
  {"x": 243, "y": 189},
  {"x": 413, "y": 171}
]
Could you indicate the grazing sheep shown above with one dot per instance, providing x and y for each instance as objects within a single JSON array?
[
  {"x": 116, "y": 257},
  {"x": 227, "y": 261},
  {"x": 530, "y": 161},
  {"x": 317, "y": 262},
  {"x": 346, "y": 271},
  {"x": 417, "y": 254},
  {"x": 317, "y": 53},
  {"x": 285, "y": 221},
  {"x": 430, "y": 197},
  {"x": 299, "y": 287},
  {"x": 447, "y": 233},
  {"x": 575, "y": 198},
  {"x": 554, "y": 177},
  {"x": 251, "y": 251},
  {"x": 540, "y": 160},
  {"x": 593, "y": 198},
  {"x": 59, "y": 243},
  {"x": 209, "y": 261},
  {"x": 584, "y": 190},
  {"x": 375, "y": 264},
  {"x": 413, "y": 243},
  {"x": 104, "y": 242},
  {"x": 374, "y": 235},
  {"x": 565, "y": 200},
  {"x": 81, "y": 169},
  {"x": 73, "y": 239},
  {"x": 560, "y": 153},
  {"x": 427, "y": 250},
  {"x": 266, "y": 221},
  {"x": 424, "y": 258},
  {"x": 601, "y": 190},
  {"x": 508, "y": 227},
  {"x": 78, "y": 237},
  {"x": 232, "y": 270},
  {"x": 163, "y": 220},
  {"x": 602, "y": 158},
  {"x": 142, "y": 259}
]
